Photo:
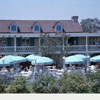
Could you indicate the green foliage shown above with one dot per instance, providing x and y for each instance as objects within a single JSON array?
[
  {"x": 74, "y": 83},
  {"x": 29, "y": 87},
  {"x": 2, "y": 85},
  {"x": 90, "y": 25},
  {"x": 45, "y": 84},
  {"x": 52, "y": 45},
  {"x": 94, "y": 78},
  {"x": 18, "y": 86}
]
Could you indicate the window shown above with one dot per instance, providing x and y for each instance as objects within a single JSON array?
[
  {"x": 3, "y": 42},
  {"x": 36, "y": 28},
  {"x": 59, "y": 28},
  {"x": 13, "y": 28},
  {"x": 25, "y": 41},
  {"x": 94, "y": 40}
]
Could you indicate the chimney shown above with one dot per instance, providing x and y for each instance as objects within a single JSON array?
[{"x": 75, "y": 18}]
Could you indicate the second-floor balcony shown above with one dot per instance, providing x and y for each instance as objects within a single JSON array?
[{"x": 34, "y": 49}]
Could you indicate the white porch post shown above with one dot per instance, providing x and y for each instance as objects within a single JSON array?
[
  {"x": 14, "y": 45},
  {"x": 86, "y": 45},
  {"x": 39, "y": 46},
  {"x": 64, "y": 67},
  {"x": 63, "y": 44},
  {"x": 87, "y": 54},
  {"x": 39, "y": 42}
]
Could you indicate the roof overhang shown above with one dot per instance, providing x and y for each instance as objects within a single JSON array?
[{"x": 50, "y": 34}]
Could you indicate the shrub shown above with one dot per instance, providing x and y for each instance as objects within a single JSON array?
[
  {"x": 18, "y": 86},
  {"x": 45, "y": 84},
  {"x": 74, "y": 83},
  {"x": 94, "y": 78},
  {"x": 2, "y": 85},
  {"x": 29, "y": 87}
]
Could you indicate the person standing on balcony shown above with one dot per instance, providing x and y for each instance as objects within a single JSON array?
[
  {"x": 74, "y": 42},
  {"x": 66, "y": 41},
  {"x": 96, "y": 43}
]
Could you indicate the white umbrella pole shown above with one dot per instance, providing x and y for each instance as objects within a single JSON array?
[
  {"x": 64, "y": 67},
  {"x": 87, "y": 63},
  {"x": 35, "y": 70}
]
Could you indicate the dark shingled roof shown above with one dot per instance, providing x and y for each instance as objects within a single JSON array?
[{"x": 25, "y": 26}]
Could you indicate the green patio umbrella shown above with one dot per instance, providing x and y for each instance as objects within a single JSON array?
[
  {"x": 42, "y": 61},
  {"x": 75, "y": 59},
  {"x": 32, "y": 57},
  {"x": 10, "y": 59},
  {"x": 95, "y": 59}
]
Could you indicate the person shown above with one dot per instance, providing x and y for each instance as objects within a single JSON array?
[
  {"x": 54, "y": 67},
  {"x": 73, "y": 67},
  {"x": 40, "y": 71},
  {"x": 7, "y": 74},
  {"x": 66, "y": 41},
  {"x": 31, "y": 68},
  {"x": 92, "y": 68},
  {"x": 26, "y": 69},
  {"x": 4, "y": 69},
  {"x": 96, "y": 66},
  {"x": 35, "y": 73},
  {"x": 74, "y": 42},
  {"x": 12, "y": 71},
  {"x": 18, "y": 69},
  {"x": 96, "y": 43}
]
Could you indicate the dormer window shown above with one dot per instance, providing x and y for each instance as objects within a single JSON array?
[
  {"x": 36, "y": 28},
  {"x": 13, "y": 28},
  {"x": 58, "y": 28}
]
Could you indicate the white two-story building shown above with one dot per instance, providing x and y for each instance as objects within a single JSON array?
[{"x": 21, "y": 37}]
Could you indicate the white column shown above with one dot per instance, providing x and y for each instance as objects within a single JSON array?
[
  {"x": 15, "y": 45},
  {"x": 63, "y": 43},
  {"x": 86, "y": 45},
  {"x": 39, "y": 46},
  {"x": 39, "y": 42},
  {"x": 87, "y": 54},
  {"x": 64, "y": 67}
]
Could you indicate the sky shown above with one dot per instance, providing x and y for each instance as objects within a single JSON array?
[{"x": 49, "y": 9}]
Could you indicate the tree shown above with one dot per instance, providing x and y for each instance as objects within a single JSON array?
[
  {"x": 18, "y": 86},
  {"x": 45, "y": 84},
  {"x": 90, "y": 25},
  {"x": 53, "y": 47},
  {"x": 94, "y": 78},
  {"x": 74, "y": 83}
]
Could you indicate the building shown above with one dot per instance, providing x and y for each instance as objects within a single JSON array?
[{"x": 22, "y": 36}]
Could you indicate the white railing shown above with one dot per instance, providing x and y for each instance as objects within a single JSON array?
[
  {"x": 94, "y": 47},
  {"x": 57, "y": 48},
  {"x": 26, "y": 49},
  {"x": 6, "y": 49},
  {"x": 78, "y": 48}
]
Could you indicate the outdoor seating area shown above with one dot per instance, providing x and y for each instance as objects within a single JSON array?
[
  {"x": 30, "y": 75},
  {"x": 10, "y": 67}
]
